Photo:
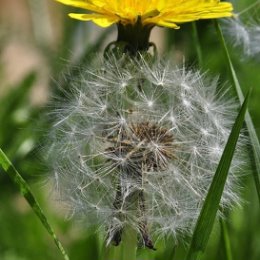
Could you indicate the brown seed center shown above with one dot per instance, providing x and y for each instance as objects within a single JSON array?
[{"x": 143, "y": 144}]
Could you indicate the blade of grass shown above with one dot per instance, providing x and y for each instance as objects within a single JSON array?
[
  {"x": 195, "y": 37},
  {"x": 226, "y": 240},
  {"x": 210, "y": 207},
  {"x": 250, "y": 126},
  {"x": 16, "y": 96},
  {"x": 25, "y": 190}
]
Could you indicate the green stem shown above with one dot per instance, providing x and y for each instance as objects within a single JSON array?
[
  {"x": 249, "y": 123},
  {"x": 226, "y": 240},
  {"x": 136, "y": 36},
  {"x": 129, "y": 244},
  {"x": 196, "y": 40},
  {"x": 127, "y": 248},
  {"x": 108, "y": 252},
  {"x": 173, "y": 252}
]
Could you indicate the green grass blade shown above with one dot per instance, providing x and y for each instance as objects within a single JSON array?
[
  {"x": 196, "y": 40},
  {"x": 250, "y": 126},
  {"x": 16, "y": 96},
  {"x": 210, "y": 207},
  {"x": 25, "y": 190},
  {"x": 226, "y": 240}
]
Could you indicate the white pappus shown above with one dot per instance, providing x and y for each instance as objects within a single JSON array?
[
  {"x": 137, "y": 144},
  {"x": 244, "y": 31}
]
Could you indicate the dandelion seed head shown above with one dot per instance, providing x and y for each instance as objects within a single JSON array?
[{"x": 143, "y": 157}]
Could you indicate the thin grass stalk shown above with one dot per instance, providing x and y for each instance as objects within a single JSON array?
[
  {"x": 26, "y": 192},
  {"x": 249, "y": 123},
  {"x": 226, "y": 240},
  {"x": 196, "y": 40}
]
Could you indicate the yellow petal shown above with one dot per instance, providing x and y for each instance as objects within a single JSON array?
[
  {"x": 183, "y": 14},
  {"x": 80, "y": 4},
  {"x": 160, "y": 22},
  {"x": 168, "y": 24},
  {"x": 101, "y": 20},
  {"x": 166, "y": 13}
]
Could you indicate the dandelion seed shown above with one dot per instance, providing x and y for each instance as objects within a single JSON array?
[
  {"x": 245, "y": 33},
  {"x": 139, "y": 164},
  {"x": 244, "y": 36}
]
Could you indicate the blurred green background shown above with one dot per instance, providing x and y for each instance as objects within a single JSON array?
[{"x": 38, "y": 44}]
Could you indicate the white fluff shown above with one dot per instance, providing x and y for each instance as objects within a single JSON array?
[
  {"x": 108, "y": 99},
  {"x": 244, "y": 31}
]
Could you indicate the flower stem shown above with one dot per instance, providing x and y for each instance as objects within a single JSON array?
[
  {"x": 109, "y": 252},
  {"x": 126, "y": 250},
  {"x": 135, "y": 36},
  {"x": 129, "y": 244},
  {"x": 226, "y": 240}
]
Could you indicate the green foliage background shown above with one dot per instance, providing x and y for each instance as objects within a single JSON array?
[{"x": 23, "y": 127}]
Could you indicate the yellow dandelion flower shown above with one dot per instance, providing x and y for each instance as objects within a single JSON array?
[{"x": 167, "y": 13}]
